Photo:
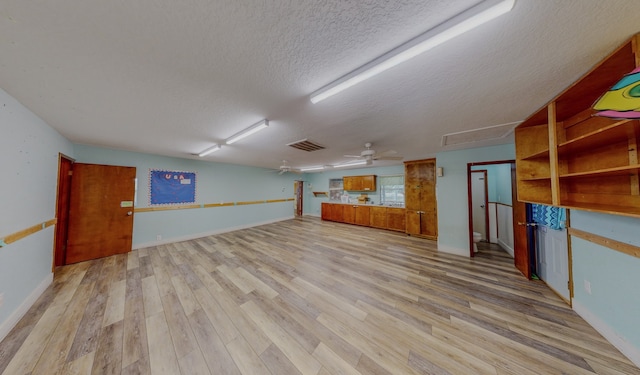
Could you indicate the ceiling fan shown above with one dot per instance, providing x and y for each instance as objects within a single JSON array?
[
  {"x": 370, "y": 155},
  {"x": 285, "y": 168}
]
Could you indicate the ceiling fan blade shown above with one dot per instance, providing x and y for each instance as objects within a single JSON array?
[
  {"x": 281, "y": 171},
  {"x": 352, "y": 156}
]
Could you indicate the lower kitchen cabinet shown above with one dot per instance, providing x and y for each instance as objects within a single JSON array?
[
  {"x": 396, "y": 219},
  {"x": 378, "y": 217},
  {"x": 369, "y": 216}
]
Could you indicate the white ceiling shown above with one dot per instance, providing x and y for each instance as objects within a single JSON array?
[{"x": 172, "y": 77}]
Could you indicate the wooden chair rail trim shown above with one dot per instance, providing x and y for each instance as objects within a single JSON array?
[
  {"x": 13, "y": 237},
  {"x": 607, "y": 242},
  {"x": 209, "y": 205}
]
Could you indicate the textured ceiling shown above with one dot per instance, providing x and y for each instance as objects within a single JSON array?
[{"x": 172, "y": 77}]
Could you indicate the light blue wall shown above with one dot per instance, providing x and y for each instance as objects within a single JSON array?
[
  {"x": 29, "y": 150},
  {"x": 216, "y": 182},
  {"x": 614, "y": 276},
  {"x": 453, "y": 214},
  {"x": 499, "y": 182},
  {"x": 320, "y": 182}
]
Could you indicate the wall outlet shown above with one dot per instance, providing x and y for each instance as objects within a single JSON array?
[
  {"x": 158, "y": 237},
  {"x": 587, "y": 286}
]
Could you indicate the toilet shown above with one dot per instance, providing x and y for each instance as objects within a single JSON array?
[{"x": 476, "y": 238}]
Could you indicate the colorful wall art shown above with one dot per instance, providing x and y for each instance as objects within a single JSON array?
[{"x": 623, "y": 99}]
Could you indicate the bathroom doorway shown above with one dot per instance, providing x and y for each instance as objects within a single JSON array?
[{"x": 490, "y": 184}]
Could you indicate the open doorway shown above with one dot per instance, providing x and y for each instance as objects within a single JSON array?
[
  {"x": 490, "y": 201},
  {"x": 479, "y": 210},
  {"x": 298, "y": 188}
]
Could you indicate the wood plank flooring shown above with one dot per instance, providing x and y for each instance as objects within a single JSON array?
[{"x": 303, "y": 297}]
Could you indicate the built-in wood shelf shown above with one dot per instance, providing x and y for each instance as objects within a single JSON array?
[{"x": 568, "y": 156}]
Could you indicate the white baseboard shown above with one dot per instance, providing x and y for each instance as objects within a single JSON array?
[
  {"x": 613, "y": 337},
  {"x": 453, "y": 250},
  {"x": 206, "y": 234},
  {"x": 506, "y": 248},
  {"x": 313, "y": 215},
  {"x": 15, "y": 317}
]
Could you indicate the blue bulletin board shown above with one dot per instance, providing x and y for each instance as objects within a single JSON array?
[{"x": 171, "y": 187}]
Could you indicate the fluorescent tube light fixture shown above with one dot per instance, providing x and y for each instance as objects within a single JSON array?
[
  {"x": 248, "y": 131},
  {"x": 463, "y": 22},
  {"x": 360, "y": 162},
  {"x": 312, "y": 169},
  {"x": 210, "y": 150}
]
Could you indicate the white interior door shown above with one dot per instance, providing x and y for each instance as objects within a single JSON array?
[
  {"x": 553, "y": 259},
  {"x": 478, "y": 202}
]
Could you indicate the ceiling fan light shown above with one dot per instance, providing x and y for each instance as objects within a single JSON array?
[
  {"x": 210, "y": 150},
  {"x": 248, "y": 131},
  {"x": 457, "y": 25}
]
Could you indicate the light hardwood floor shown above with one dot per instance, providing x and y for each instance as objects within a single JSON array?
[{"x": 303, "y": 297}]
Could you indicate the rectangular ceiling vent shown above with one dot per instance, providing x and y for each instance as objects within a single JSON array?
[
  {"x": 306, "y": 145},
  {"x": 482, "y": 134}
]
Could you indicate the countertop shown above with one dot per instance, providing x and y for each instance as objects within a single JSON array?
[{"x": 364, "y": 204}]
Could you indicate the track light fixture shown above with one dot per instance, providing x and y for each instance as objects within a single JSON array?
[
  {"x": 248, "y": 131},
  {"x": 463, "y": 22},
  {"x": 210, "y": 150}
]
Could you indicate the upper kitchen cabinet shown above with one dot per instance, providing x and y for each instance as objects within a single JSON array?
[
  {"x": 359, "y": 183},
  {"x": 420, "y": 198},
  {"x": 569, "y": 155}
]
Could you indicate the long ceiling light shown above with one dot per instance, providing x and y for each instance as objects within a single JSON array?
[
  {"x": 360, "y": 162},
  {"x": 463, "y": 22},
  {"x": 248, "y": 131},
  {"x": 210, "y": 150},
  {"x": 318, "y": 168}
]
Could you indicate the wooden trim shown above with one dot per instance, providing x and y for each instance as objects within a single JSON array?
[
  {"x": 553, "y": 154},
  {"x": 13, "y": 237},
  {"x": 607, "y": 242},
  {"x": 502, "y": 204},
  {"x": 209, "y": 205}
]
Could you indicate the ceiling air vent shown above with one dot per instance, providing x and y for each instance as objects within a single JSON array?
[
  {"x": 482, "y": 134},
  {"x": 306, "y": 145}
]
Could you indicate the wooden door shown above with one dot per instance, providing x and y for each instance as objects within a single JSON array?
[
  {"x": 298, "y": 187},
  {"x": 412, "y": 186},
  {"x": 101, "y": 211},
  {"x": 521, "y": 249},
  {"x": 62, "y": 209},
  {"x": 428, "y": 201}
]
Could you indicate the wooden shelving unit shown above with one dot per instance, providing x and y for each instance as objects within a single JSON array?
[{"x": 568, "y": 156}]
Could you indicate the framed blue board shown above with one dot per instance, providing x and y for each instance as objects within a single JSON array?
[{"x": 171, "y": 187}]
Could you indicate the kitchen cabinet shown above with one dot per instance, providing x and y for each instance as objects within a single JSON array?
[
  {"x": 567, "y": 156},
  {"x": 396, "y": 219},
  {"x": 359, "y": 183},
  {"x": 362, "y": 215},
  {"x": 370, "y": 216},
  {"x": 378, "y": 217},
  {"x": 420, "y": 198},
  {"x": 332, "y": 212},
  {"x": 349, "y": 214},
  {"x": 355, "y": 214}
]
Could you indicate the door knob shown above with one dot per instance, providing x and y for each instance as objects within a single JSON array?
[
  {"x": 129, "y": 213},
  {"x": 482, "y": 206}
]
